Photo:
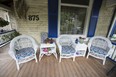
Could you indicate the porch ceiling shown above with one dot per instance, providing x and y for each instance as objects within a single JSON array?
[{"x": 8, "y": 3}]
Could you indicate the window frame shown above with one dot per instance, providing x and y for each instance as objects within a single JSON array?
[
  {"x": 87, "y": 17},
  {"x": 112, "y": 26}
]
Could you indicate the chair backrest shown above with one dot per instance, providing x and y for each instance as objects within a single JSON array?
[
  {"x": 65, "y": 40},
  {"x": 22, "y": 41},
  {"x": 44, "y": 36},
  {"x": 101, "y": 42}
]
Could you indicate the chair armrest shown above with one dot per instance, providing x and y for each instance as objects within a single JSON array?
[
  {"x": 12, "y": 53},
  {"x": 110, "y": 52},
  {"x": 59, "y": 47},
  {"x": 74, "y": 45},
  {"x": 89, "y": 46},
  {"x": 35, "y": 46}
]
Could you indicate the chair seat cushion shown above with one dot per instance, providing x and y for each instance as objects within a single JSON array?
[
  {"x": 68, "y": 50},
  {"x": 98, "y": 50},
  {"x": 25, "y": 52}
]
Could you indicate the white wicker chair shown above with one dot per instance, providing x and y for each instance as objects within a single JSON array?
[
  {"x": 99, "y": 47},
  {"x": 67, "y": 48},
  {"x": 23, "y": 49}
]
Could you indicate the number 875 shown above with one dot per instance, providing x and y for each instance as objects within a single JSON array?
[{"x": 33, "y": 17}]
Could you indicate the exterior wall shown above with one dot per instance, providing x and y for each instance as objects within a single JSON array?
[
  {"x": 40, "y": 7},
  {"x": 34, "y": 28},
  {"x": 104, "y": 19}
]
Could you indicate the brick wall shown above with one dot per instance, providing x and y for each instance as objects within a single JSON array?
[{"x": 104, "y": 19}]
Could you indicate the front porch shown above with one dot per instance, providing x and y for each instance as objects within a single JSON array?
[
  {"x": 50, "y": 67},
  {"x": 88, "y": 18}
]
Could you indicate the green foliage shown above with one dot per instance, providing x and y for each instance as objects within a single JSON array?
[
  {"x": 5, "y": 37},
  {"x": 14, "y": 34},
  {"x": 3, "y": 22},
  {"x": 10, "y": 36}
]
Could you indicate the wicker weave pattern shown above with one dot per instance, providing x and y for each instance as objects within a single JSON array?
[{"x": 22, "y": 43}]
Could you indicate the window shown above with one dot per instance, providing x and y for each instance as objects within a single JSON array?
[
  {"x": 72, "y": 20},
  {"x": 74, "y": 16}
]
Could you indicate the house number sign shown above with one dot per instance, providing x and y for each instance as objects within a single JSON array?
[{"x": 33, "y": 17}]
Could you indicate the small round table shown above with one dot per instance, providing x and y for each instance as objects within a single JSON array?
[
  {"x": 47, "y": 49},
  {"x": 81, "y": 49}
]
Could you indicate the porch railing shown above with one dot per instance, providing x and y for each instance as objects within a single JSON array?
[
  {"x": 112, "y": 56},
  {"x": 6, "y": 37}
]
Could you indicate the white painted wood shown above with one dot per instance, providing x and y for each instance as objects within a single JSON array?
[
  {"x": 81, "y": 48},
  {"x": 74, "y": 5},
  {"x": 77, "y": 47},
  {"x": 5, "y": 15},
  {"x": 87, "y": 19},
  {"x": 12, "y": 51},
  {"x": 52, "y": 51},
  {"x": 109, "y": 44},
  {"x": 112, "y": 26},
  {"x": 113, "y": 53},
  {"x": 59, "y": 15}
]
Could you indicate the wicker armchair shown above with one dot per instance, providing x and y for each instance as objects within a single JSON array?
[
  {"x": 67, "y": 48},
  {"x": 23, "y": 49},
  {"x": 99, "y": 47}
]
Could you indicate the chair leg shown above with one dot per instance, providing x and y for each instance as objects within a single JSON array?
[
  {"x": 60, "y": 59},
  {"x": 55, "y": 54},
  {"x": 73, "y": 58},
  {"x": 36, "y": 59},
  {"x": 17, "y": 66},
  {"x": 40, "y": 56},
  {"x": 104, "y": 61},
  {"x": 87, "y": 56}
]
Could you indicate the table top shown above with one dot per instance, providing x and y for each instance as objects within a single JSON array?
[
  {"x": 81, "y": 46},
  {"x": 43, "y": 45}
]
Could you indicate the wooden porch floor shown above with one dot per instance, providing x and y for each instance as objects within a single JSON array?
[{"x": 50, "y": 67}]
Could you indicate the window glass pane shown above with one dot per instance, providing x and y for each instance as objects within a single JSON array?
[
  {"x": 72, "y": 20},
  {"x": 79, "y": 2}
]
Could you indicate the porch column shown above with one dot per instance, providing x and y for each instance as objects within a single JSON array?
[{"x": 94, "y": 17}]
